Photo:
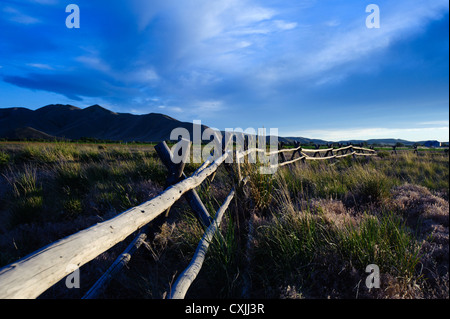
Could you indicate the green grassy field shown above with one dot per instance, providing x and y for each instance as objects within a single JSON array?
[{"x": 309, "y": 231}]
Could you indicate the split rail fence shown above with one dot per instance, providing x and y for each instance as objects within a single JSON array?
[{"x": 34, "y": 274}]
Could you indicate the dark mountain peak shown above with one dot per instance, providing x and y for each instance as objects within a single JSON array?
[
  {"x": 160, "y": 115},
  {"x": 70, "y": 122},
  {"x": 97, "y": 109},
  {"x": 54, "y": 107}
]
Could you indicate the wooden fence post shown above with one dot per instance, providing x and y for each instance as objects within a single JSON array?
[
  {"x": 296, "y": 145},
  {"x": 175, "y": 175},
  {"x": 186, "y": 278},
  {"x": 103, "y": 282},
  {"x": 175, "y": 169},
  {"x": 280, "y": 146}
]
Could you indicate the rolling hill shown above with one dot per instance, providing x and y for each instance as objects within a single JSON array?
[
  {"x": 59, "y": 121},
  {"x": 70, "y": 122}
]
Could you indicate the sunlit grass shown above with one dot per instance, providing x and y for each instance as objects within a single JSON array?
[{"x": 311, "y": 219}]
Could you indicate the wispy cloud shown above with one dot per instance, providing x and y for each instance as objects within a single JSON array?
[
  {"x": 41, "y": 66},
  {"x": 46, "y": 2},
  {"x": 339, "y": 134},
  {"x": 268, "y": 61},
  {"x": 435, "y": 123},
  {"x": 17, "y": 16},
  {"x": 351, "y": 42}
]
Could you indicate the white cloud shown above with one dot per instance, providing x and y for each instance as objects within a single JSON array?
[
  {"x": 204, "y": 31},
  {"x": 257, "y": 43},
  {"x": 94, "y": 62},
  {"x": 172, "y": 109},
  {"x": 40, "y": 66},
  {"x": 144, "y": 75},
  {"x": 205, "y": 108},
  {"x": 46, "y": 2},
  {"x": 413, "y": 134},
  {"x": 397, "y": 23},
  {"x": 141, "y": 75},
  {"x": 209, "y": 105},
  {"x": 443, "y": 122},
  {"x": 322, "y": 55},
  {"x": 333, "y": 23},
  {"x": 19, "y": 17},
  {"x": 176, "y": 109},
  {"x": 283, "y": 25}
]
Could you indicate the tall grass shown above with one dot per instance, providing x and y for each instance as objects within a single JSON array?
[
  {"x": 317, "y": 224},
  {"x": 26, "y": 203},
  {"x": 48, "y": 184},
  {"x": 366, "y": 182},
  {"x": 4, "y": 159},
  {"x": 383, "y": 240},
  {"x": 293, "y": 246}
]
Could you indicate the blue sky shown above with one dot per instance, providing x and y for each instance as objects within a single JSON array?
[{"x": 307, "y": 67}]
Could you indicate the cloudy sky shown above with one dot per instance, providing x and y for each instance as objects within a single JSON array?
[{"x": 307, "y": 67}]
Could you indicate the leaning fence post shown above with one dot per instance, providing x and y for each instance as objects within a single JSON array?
[
  {"x": 352, "y": 151},
  {"x": 191, "y": 196},
  {"x": 297, "y": 145},
  {"x": 175, "y": 169},
  {"x": 280, "y": 146},
  {"x": 186, "y": 278},
  {"x": 118, "y": 264}
]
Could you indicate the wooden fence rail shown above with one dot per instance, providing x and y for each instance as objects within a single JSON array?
[
  {"x": 32, "y": 275},
  {"x": 35, "y": 273},
  {"x": 186, "y": 278},
  {"x": 118, "y": 264}
]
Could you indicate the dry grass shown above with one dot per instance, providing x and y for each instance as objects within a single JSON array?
[{"x": 307, "y": 232}]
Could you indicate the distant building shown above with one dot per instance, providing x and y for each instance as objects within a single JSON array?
[{"x": 432, "y": 144}]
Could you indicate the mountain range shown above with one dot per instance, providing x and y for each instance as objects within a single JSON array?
[{"x": 69, "y": 122}]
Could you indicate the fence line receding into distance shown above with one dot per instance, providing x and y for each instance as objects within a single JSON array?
[{"x": 32, "y": 275}]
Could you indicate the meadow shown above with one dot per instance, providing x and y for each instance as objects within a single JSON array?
[{"x": 309, "y": 231}]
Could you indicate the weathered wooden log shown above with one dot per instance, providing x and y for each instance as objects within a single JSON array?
[
  {"x": 259, "y": 150},
  {"x": 319, "y": 158},
  {"x": 175, "y": 169},
  {"x": 176, "y": 174},
  {"x": 343, "y": 148},
  {"x": 297, "y": 149},
  {"x": 166, "y": 156},
  {"x": 288, "y": 162},
  {"x": 281, "y": 154},
  {"x": 198, "y": 207},
  {"x": 35, "y": 273},
  {"x": 186, "y": 278},
  {"x": 345, "y": 155},
  {"x": 118, "y": 264},
  {"x": 364, "y": 149},
  {"x": 317, "y": 150}
]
